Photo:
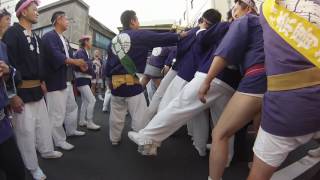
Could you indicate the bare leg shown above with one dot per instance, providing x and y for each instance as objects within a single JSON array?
[
  {"x": 239, "y": 111},
  {"x": 261, "y": 170}
]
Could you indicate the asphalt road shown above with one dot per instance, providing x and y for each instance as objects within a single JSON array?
[{"x": 95, "y": 159}]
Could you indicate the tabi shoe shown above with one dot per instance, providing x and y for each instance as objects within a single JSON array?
[
  {"x": 66, "y": 146},
  {"x": 52, "y": 155},
  {"x": 77, "y": 133},
  {"x": 83, "y": 123},
  {"x": 146, "y": 146},
  {"x": 38, "y": 174},
  {"x": 92, "y": 126}
]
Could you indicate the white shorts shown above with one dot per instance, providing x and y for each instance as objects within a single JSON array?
[{"x": 273, "y": 150}]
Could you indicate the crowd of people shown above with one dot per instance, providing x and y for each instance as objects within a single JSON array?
[
  {"x": 216, "y": 77},
  {"x": 38, "y": 79}
]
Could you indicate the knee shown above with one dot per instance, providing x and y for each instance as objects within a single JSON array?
[
  {"x": 260, "y": 170},
  {"x": 24, "y": 132},
  {"x": 219, "y": 135}
]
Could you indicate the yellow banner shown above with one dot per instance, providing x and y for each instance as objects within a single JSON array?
[{"x": 302, "y": 35}]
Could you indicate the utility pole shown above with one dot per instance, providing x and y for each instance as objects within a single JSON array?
[
  {"x": 72, "y": 22},
  {"x": 187, "y": 13},
  {"x": 213, "y": 3}
]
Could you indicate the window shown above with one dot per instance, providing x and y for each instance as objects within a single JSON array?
[{"x": 101, "y": 41}]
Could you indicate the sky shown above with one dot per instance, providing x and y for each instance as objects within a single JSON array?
[{"x": 108, "y": 11}]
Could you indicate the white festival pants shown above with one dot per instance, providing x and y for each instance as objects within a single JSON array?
[
  {"x": 151, "y": 89},
  {"x": 186, "y": 106},
  {"x": 88, "y": 103},
  {"x": 199, "y": 130},
  {"x": 107, "y": 98},
  {"x": 175, "y": 86},
  {"x": 156, "y": 99},
  {"x": 120, "y": 106},
  {"x": 62, "y": 109},
  {"x": 33, "y": 131}
]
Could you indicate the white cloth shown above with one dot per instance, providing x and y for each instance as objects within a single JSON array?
[
  {"x": 66, "y": 49},
  {"x": 71, "y": 118},
  {"x": 156, "y": 99},
  {"x": 88, "y": 54},
  {"x": 176, "y": 85},
  {"x": 62, "y": 109},
  {"x": 253, "y": 95},
  {"x": 107, "y": 99},
  {"x": 199, "y": 130},
  {"x": 88, "y": 103},
  {"x": 185, "y": 107},
  {"x": 78, "y": 74},
  {"x": 33, "y": 131},
  {"x": 151, "y": 89},
  {"x": 273, "y": 150},
  {"x": 97, "y": 70},
  {"x": 120, "y": 106}
]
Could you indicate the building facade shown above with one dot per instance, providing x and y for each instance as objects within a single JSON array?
[
  {"x": 159, "y": 26},
  {"x": 80, "y": 23},
  {"x": 195, "y": 8},
  {"x": 10, "y": 5}
]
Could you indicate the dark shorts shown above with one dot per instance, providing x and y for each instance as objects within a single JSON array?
[{"x": 256, "y": 84}]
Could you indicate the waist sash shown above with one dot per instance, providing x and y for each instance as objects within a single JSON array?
[
  {"x": 298, "y": 32},
  {"x": 125, "y": 79},
  {"x": 26, "y": 84},
  {"x": 294, "y": 80}
]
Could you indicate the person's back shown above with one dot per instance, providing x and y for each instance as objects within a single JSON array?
[
  {"x": 282, "y": 58},
  {"x": 157, "y": 61},
  {"x": 142, "y": 41},
  {"x": 129, "y": 52},
  {"x": 290, "y": 115},
  {"x": 188, "y": 62}
]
